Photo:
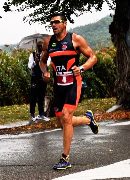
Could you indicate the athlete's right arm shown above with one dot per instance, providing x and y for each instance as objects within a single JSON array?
[
  {"x": 44, "y": 55},
  {"x": 44, "y": 58}
]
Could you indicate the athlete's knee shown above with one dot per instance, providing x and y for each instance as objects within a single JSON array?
[{"x": 66, "y": 117}]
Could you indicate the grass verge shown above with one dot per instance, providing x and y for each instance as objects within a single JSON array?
[{"x": 17, "y": 113}]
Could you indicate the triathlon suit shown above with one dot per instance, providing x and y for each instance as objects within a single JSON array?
[{"x": 67, "y": 87}]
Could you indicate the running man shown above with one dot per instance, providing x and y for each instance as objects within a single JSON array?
[{"x": 64, "y": 48}]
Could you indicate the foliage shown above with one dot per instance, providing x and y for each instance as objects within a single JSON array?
[
  {"x": 13, "y": 113},
  {"x": 101, "y": 78},
  {"x": 14, "y": 77},
  {"x": 41, "y": 10}
]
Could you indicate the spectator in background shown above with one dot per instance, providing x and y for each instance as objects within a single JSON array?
[{"x": 38, "y": 86}]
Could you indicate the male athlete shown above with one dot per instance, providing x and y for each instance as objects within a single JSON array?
[{"x": 64, "y": 48}]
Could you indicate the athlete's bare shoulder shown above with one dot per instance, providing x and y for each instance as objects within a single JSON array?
[
  {"x": 75, "y": 36},
  {"x": 78, "y": 38},
  {"x": 78, "y": 41}
]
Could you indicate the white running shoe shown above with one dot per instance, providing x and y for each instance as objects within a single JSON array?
[
  {"x": 32, "y": 121},
  {"x": 42, "y": 117}
]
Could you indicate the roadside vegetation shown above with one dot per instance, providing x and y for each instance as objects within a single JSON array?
[
  {"x": 18, "y": 113},
  {"x": 15, "y": 77},
  {"x": 97, "y": 90}
]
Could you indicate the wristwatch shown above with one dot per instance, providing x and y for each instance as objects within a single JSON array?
[{"x": 81, "y": 69}]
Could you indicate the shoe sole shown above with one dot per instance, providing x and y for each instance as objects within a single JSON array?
[{"x": 96, "y": 132}]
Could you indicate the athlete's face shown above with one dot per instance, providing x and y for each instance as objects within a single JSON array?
[{"x": 58, "y": 25}]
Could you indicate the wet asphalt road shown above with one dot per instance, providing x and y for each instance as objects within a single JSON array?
[{"x": 31, "y": 156}]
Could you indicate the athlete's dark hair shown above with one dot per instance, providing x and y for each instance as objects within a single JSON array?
[{"x": 63, "y": 17}]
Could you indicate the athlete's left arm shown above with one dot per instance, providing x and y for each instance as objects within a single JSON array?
[{"x": 82, "y": 46}]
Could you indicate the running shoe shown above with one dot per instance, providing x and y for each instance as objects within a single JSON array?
[
  {"x": 33, "y": 120},
  {"x": 93, "y": 125},
  {"x": 62, "y": 164},
  {"x": 42, "y": 117}
]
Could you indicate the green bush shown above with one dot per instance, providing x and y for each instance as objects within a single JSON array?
[
  {"x": 100, "y": 79},
  {"x": 15, "y": 77}
]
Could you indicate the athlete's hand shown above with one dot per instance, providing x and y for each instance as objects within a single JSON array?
[
  {"x": 76, "y": 70},
  {"x": 46, "y": 76}
]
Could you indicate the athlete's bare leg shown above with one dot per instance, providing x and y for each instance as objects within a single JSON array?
[
  {"x": 68, "y": 122},
  {"x": 80, "y": 120}
]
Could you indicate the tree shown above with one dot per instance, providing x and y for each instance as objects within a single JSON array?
[
  {"x": 41, "y": 10},
  {"x": 120, "y": 34},
  {"x": 119, "y": 29}
]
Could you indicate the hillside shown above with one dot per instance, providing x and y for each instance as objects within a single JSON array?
[
  {"x": 97, "y": 33},
  {"x": 8, "y": 48}
]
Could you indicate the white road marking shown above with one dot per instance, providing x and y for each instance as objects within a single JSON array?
[
  {"x": 120, "y": 124},
  {"x": 9, "y": 136},
  {"x": 117, "y": 170}
]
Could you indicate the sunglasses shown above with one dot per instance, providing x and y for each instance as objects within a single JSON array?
[{"x": 55, "y": 22}]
